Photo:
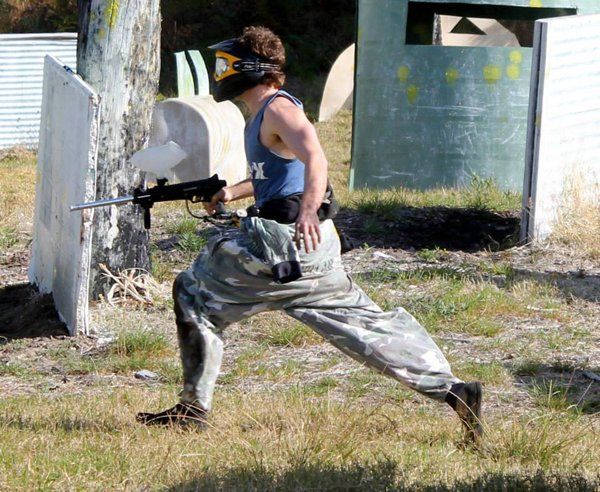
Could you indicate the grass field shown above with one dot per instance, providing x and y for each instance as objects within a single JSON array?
[{"x": 291, "y": 412}]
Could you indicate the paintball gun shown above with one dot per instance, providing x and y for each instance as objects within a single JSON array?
[
  {"x": 193, "y": 191},
  {"x": 160, "y": 161}
]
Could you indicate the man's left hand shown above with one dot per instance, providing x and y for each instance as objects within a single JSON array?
[{"x": 308, "y": 232}]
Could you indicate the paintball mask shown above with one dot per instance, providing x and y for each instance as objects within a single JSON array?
[{"x": 238, "y": 69}]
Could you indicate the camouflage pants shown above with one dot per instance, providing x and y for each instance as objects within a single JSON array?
[{"x": 228, "y": 283}]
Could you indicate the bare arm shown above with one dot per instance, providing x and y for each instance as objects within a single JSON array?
[
  {"x": 240, "y": 190},
  {"x": 285, "y": 121}
]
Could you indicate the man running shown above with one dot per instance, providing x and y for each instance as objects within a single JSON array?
[{"x": 286, "y": 255}]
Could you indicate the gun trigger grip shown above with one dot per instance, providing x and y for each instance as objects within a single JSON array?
[{"x": 220, "y": 208}]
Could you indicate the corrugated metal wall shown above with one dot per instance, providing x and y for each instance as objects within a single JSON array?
[{"x": 21, "y": 80}]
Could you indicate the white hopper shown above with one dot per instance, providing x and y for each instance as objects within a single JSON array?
[
  {"x": 339, "y": 88},
  {"x": 211, "y": 133}
]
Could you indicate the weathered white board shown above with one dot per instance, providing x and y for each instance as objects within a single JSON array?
[
  {"x": 563, "y": 136},
  {"x": 339, "y": 87},
  {"x": 211, "y": 133},
  {"x": 66, "y": 173}
]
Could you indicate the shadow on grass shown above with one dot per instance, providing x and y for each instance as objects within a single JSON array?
[
  {"x": 383, "y": 476},
  {"x": 573, "y": 283},
  {"x": 433, "y": 227},
  {"x": 25, "y": 313},
  {"x": 560, "y": 386},
  {"x": 493, "y": 232}
]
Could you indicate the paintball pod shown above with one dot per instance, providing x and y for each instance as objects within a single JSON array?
[{"x": 193, "y": 191}]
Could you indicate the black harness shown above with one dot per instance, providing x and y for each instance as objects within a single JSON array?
[{"x": 286, "y": 210}]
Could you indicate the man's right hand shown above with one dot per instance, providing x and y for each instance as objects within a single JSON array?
[{"x": 224, "y": 195}]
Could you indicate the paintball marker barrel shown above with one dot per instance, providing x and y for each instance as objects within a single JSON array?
[
  {"x": 103, "y": 203},
  {"x": 194, "y": 191}
]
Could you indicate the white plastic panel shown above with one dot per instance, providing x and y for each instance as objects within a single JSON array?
[
  {"x": 199, "y": 67},
  {"x": 190, "y": 64},
  {"x": 211, "y": 133},
  {"x": 563, "y": 140},
  {"x": 61, "y": 249},
  {"x": 339, "y": 88},
  {"x": 21, "y": 80}
]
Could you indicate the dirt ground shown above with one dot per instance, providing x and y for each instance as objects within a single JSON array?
[
  {"x": 459, "y": 240},
  {"x": 437, "y": 227}
]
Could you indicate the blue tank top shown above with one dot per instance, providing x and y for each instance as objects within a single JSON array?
[{"x": 272, "y": 176}]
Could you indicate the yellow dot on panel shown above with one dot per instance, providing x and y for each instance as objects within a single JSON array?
[
  {"x": 535, "y": 3},
  {"x": 515, "y": 56},
  {"x": 412, "y": 92},
  {"x": 403, "y": 73},
  {"x": 452, "y": 76},
  {"x": 492, "y": 73},
  {"x": 513, "y": 71}
]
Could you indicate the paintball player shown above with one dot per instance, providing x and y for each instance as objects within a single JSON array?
[{"x": 286, "y": 255}]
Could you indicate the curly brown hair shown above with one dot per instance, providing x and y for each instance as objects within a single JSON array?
[{"x": 264, "y": 42}]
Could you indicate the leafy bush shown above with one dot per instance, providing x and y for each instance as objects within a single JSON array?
[{"x": 25, "y": 16}]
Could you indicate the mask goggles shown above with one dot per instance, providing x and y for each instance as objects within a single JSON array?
[{"x": 227, "y": 64}]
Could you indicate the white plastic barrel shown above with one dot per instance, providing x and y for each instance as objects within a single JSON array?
[{"x": 210, "y": 133}]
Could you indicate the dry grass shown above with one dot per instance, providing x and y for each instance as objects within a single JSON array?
[
  {"x": 289, "y": 414},
  {"x": 578, "y": 221},
  {"x": 446, "y": 300},
  {"x": 481, "y": 194},
  {"x": 336, "y": 138},
  {"x": 17, "y": 197},
  {"x": 280, "y": 442},
  {"x": 132, "y": 285}
]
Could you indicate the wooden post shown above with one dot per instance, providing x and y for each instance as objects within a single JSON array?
[{"x": 118, "y": 53}]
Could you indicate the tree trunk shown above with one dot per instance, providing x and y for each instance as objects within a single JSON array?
[{"x": 118, "y": 53}]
